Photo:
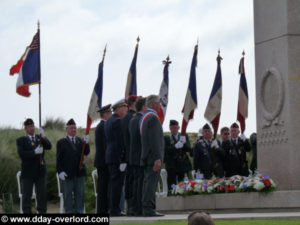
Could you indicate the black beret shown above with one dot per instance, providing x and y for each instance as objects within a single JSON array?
[
  {"x": 71, "y": 122},
  {"x": 104, "y": 109},
  {"x": 173, "y": 122},
  {"x": 234, "y": 125},
  {"x": 206, "y": 127},
  {"x": 28, "y": 122}
]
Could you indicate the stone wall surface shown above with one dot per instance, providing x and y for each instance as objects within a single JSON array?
[{"x": 277, "y": 65}]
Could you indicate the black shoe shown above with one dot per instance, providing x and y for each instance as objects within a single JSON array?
[
  {"x": 117, "y": 214},
  {"x": 152, "y": 214}
]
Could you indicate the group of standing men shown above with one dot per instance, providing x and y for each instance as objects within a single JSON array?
[
  {"x": 129, "y": 153},
  {"x": 223, "y": 158}
]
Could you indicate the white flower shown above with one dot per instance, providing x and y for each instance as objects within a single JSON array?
[{"x": 259, "y": 185}]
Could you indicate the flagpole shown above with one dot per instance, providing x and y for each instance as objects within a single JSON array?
[
  {"x": 40, "y": 101},
  {"x": 87, "y": 131}
]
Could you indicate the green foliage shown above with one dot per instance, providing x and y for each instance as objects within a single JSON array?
[{"x": 56, "y": 124}]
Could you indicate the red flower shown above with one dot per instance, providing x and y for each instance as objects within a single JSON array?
[
  {"x": 180, "y": 185},
  {"x": 267, "y": 182},
  {"x": 192, "y": 183},
  {"x": 226, "y": 188},
  {"x": 231, "y": 187}
]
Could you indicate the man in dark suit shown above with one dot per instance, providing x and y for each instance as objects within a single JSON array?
[
  {"x": 135, "y": 156},
  {"x": 68, "y": 157},
  {"x": 115, "y": 155},
  {"x": 131, "y": 101},
  {"x": 206, "y": 155},
  {"x": 33, "y": 167},
  {"x": 102, "y": 169},
  {"x": 152, "y": 153},
  {"x": 176, "y": 158},
  {"x": 241, "y": 145}
]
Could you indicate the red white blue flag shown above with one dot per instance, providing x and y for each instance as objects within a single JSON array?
[
  {"x": 190, "y": 103},
  {"x": 213, "y": 108},
  {"x": 131, "y": 88},
  {"x": 242, "y": 111},
  {"x": 164, "y": 91},
  {"x": 96, "y": 99},
  {"x": 28, "y": 67}
]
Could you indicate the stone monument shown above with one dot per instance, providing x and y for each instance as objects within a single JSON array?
[{"x": 277, "y": 64}]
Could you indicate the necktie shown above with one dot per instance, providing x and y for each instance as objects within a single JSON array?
[
  {"x": 33, "y": 139},
  {"x": 73, "y": 140}
]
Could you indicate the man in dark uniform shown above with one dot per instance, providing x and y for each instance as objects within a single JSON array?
[
  {"x": 33, "y": 167},
  {"x": 231, "y": 158},
  {"x": 135, "y": 156},
  {"x": 241, "y": 145},
  {"x": 206, "y": 154},
  {"x": 68, "y": 158},
  {"x": 176, "y": 158},
  {"x": 115, "y": 155},
  {"x": 102, "y": 169},
  {"x": 253, "y": 165},
  {"x": 129, "y": 172},
  {"x": 152, "y": 153}
]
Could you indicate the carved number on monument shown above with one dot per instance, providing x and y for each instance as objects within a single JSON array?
[{"x": 272, "y": 97}]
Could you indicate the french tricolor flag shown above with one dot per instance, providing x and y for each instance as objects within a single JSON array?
[
  {"x": 242, "y": 112},
  {"x": 164, "y": 91},
  {"x": 96, "y": 99},
  {"x": 190, "y": 103},
  {"x": 28, "y": 67},
  {"x": 131, "y": 88},
  {"x": 213, "y": 108}
]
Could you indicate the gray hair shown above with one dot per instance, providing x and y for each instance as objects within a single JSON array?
[
  {"x": 197, "y": 218},
  {"x": 151, "y": 99}
]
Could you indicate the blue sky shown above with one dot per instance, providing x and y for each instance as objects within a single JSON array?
[{"x": 74, "y": 34}]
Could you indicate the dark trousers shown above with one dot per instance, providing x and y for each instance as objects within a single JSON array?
[
  {"x": 41, "y": 196},
  {"x": 116, "y": 185},
  {"x": 129, "y": 182},
  {"x": 73, "y": 187},
  {"x": 173, "y": 176},
  {"x": 102, "y": 190},
  {"x": 138, "y": 179},
  {"x": 151, "y": 179}
]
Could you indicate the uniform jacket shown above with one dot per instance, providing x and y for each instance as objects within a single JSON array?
[
  {"x": 152, "y": 141},
  {"x": 203, "y": 158},
  {"x": 135, "y": 140},
  {"x": 177, "y": 158},
  {"x": 115, "y": 149},
  {"x": 68, "y": 157},
  {"x": 241, "y": 148},
  {"x": 31, "y": 167},
  {"x": 100, "y": 143},
  {"x": 125, "y": 129}
]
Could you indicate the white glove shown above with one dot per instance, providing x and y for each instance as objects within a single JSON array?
[
  {"x": 123, "y": 167},
  {"x": 178, "y": 145},
  {"x": 182, "y": 139},
  {"x": 243, "y": 137},
  {"x": 86, "y": 138},
  {"x": 215, "y": 144},
  {"x": 38, "y": 150},
  {"x": 62, "y": 175},
  {"x": 41, "y": 132}
]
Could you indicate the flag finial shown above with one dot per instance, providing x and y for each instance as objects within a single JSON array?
[
  {"x": 138, "y": 39},
  {"x": 243, "y": 53},
  {"x": 167, "y": 61},
  {"x": 219, "y": 56},
  {"x": 38, "y": 23},
  {"x": 168, "y": 58},
  {"x": 104, "y": 52},
  {"x": 219, "y": 52}
]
